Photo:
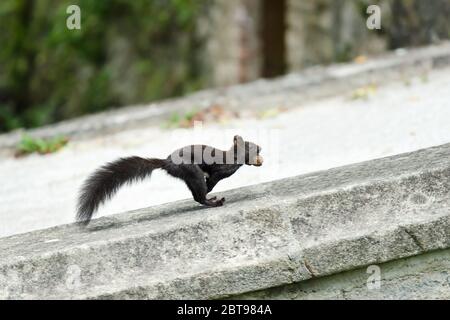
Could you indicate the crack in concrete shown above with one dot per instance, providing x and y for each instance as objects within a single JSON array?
[
  {"x": 309, "y": 268},
  {"x": 414, "y": 238}
]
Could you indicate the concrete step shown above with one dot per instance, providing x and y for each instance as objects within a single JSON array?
[{"x": 266, "y": 235}]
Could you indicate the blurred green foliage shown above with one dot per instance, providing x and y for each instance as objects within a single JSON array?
[
  {"x": 126, "y": 52},
  {"x": 177, "y": 120},
  {"x": 42, "y": 146}
]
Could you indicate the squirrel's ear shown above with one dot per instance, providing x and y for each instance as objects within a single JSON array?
[{"x": 238, "y": 140}]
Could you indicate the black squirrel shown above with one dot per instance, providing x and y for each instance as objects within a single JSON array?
[{"x": 201, "y": 167}]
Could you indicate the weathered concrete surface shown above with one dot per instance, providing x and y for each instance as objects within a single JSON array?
[
  {"x": 421, "y": 277},
  {"x": 40, "y": 191},
  {"x": 267, "y": 235}
]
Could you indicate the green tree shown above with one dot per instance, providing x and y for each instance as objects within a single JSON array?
[{"x": 126, "y": 52}]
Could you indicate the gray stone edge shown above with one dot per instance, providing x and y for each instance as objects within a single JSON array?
[
  {"x": 313, "y": 83},
  {"x": 293, "y": 264},
  {"x": 296, "y": 266}
]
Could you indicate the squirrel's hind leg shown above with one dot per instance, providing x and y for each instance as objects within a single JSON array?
[{"x": 194, "y": 178}]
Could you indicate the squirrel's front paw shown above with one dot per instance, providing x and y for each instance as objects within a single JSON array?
[
  {"x": 213, "y": 202},
  {"x": 220, "y": 202}
]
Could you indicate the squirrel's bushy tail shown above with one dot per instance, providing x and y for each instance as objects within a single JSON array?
[{"x": 106, "y": 180}]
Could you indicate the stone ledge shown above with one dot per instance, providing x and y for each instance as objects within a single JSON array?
[
  {"x": 424, "y": 277},
  {"x": 266, "y": 235},
  {"x": 309, "y": 85}
]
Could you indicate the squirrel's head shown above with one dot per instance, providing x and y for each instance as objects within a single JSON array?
[{"x": 246, "y": 152}]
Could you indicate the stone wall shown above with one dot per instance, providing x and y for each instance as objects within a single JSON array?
[
  {"x": 328, "y": 31},
  {"x": 425, "y": 276},
  {"x": 233, "y": 44},
  {"x": 292, "y": 232},
  {"x": 316, "y": 32}
]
